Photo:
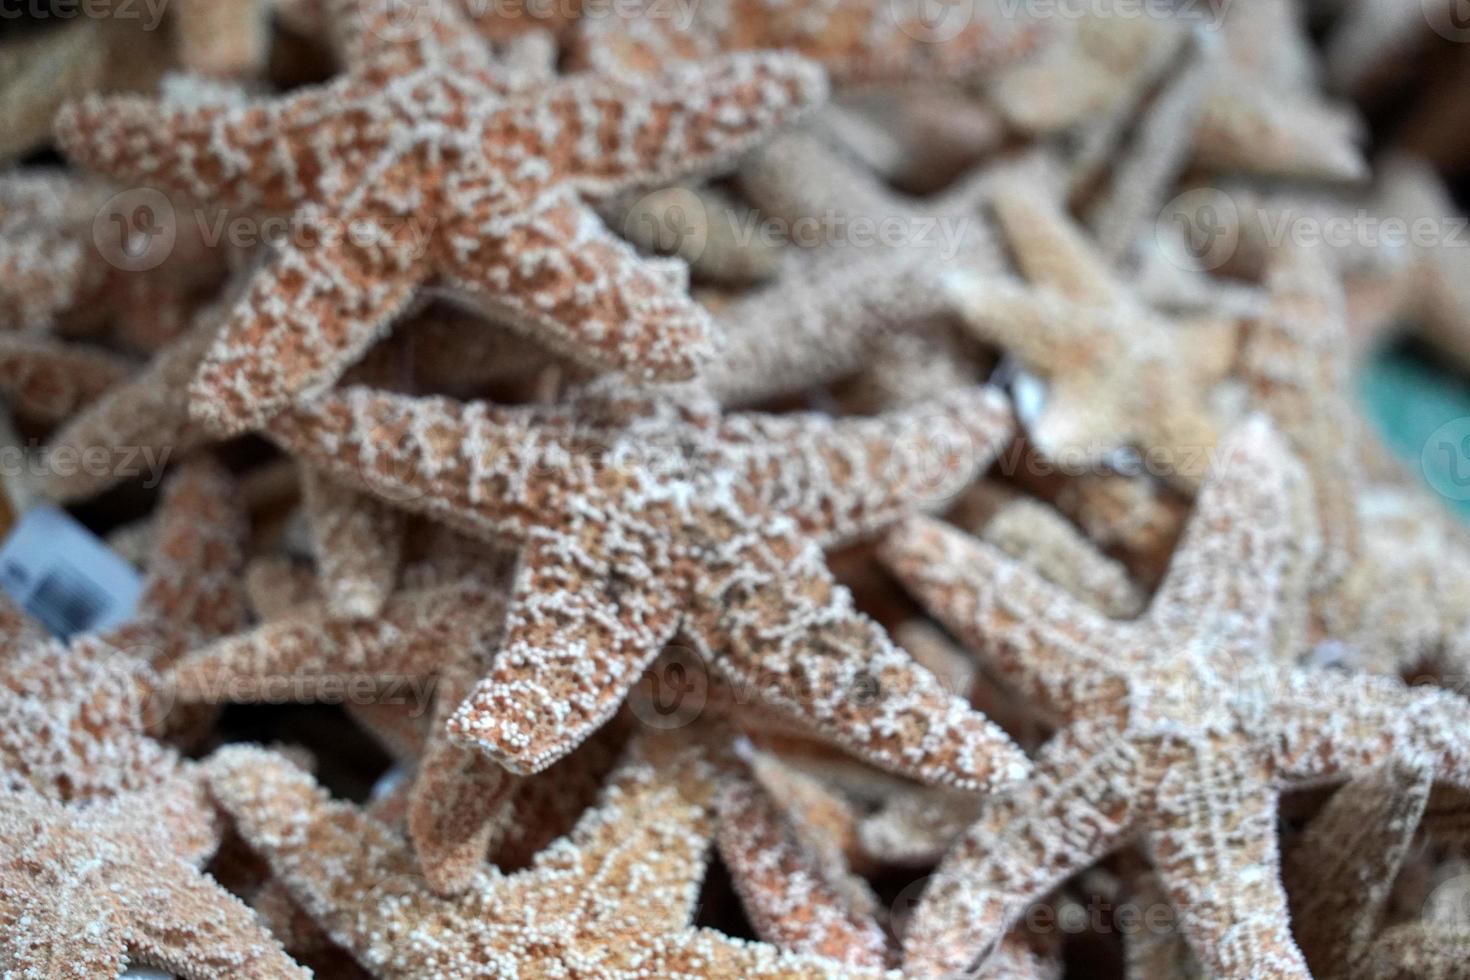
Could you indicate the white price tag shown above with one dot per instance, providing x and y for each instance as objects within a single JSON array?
[{"x": 64, "y": 576}]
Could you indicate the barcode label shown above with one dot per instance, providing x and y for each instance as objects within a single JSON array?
[
  {"x": 67, "y": 603},
  {"x": 65, "y": 576}
]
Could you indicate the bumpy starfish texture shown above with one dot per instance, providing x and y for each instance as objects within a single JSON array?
[
  {"x": 611, "y": 900},
  {"x": 1179, "y": 728},
  {"x": 792, "y": 900},
  {"x": 104, "y": 827},
  {"x": 641, "y": 517},
  {"x": 857, "y": 41},
  {"x": 473, "y": 181},
  {"x": 43, "y": 263},
  {"x": 357, "y": 541},
  {"x": 1119, "y": 375},
  {"x": 442, "y": 635}
]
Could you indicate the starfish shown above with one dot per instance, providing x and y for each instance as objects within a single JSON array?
[
  {"x": 441, "y": 634},
  {"x": 472, "y": 181},
  {"x": 640, "y": 517},
  {"x": 104, "y": 827},
  {"x": 859, "y": 42},
  {"x": 49, "y": 381},
  {"x": 1119, "y": 375},
  {"x": 611, "y": 900},
  {"x": 357, "y": 541},
  {"x": 1179, "y": 728}
]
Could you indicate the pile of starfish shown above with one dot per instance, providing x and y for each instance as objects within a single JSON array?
[{"x": 787, "y": 489}]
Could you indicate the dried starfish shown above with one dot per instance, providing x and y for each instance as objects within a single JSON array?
[
  {"x": 85, "y": 888},
  {"x": 1119, "y": 375},
  {"x": 222, "y": 38},
  {"x": 639, "y": 517},
  {"x": 357, "y": 541},
  {"x": 1179, "y": 727},
  {"x": 441, "y": 635},
  {"x": 857, "y": 41},
  {"x": 105, "y": 827},
  {"x": 793, "y": 899},
  {"x": 50, "y": 381},
  {"x": 477, "y": 185},
  {"x": 611, "y": 900}
]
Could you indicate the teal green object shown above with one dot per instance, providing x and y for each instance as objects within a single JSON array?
[{"x": 1421, "y": 408}]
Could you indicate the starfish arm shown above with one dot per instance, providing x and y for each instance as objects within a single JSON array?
[
  {"x": 785, "y": 891},
  {"x": 779, "y": 339},
  {"x": 1077, "y": 806},
  {"x": 192, "y": 592},
  {"x": 50, "y": 381},
  {"x": 579, "y": 632},
  {"x": 1248, "y": 128},
  {"x": 1226, "y": 577},
  {"x": 397, "y": 727},
  {"x": 1048, "y": 331},
  {"x": 842, "y": 479},
  {"x": 797, "y": 176},
  {"x": 1218, "y": 862},
  {"x": 917, "y": 826},
  {"x": 460, "y": 803},
  {"x": 150, "y": 411},
  {"x": 1051, "y": 646},
  {"x": 557, "y": 274},
  {"x": 302, "y": 321},
  {"x": 691, "y": 117},
  {"x": 72, "y": 940},
  {"x": 547, "y": 806},
  {"x": 355, "y": 878},
  {"x": 707, "y": 953},
  {"x": 184, "y": 922},
  {"x": 1341, "y": 870},
  {"x": 784, "y": 631},
  {"x": 357, "y": 540},
  {"x": 467, "y": 464},
  {"x": 251, "y": 156},
  {"x": 1049, "y": 247},
  {"x": 381, "y": 39},
  {"x": 309, "y": 651},
  {"x": 1327, "y": 725}
]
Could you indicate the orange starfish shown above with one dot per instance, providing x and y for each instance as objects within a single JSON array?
[
  {"x": 611, "y": 900},
  {"x": 642, "y": 517},
  {"x": 1179, "y": 728},
  {"x": 425, "y": 162}
]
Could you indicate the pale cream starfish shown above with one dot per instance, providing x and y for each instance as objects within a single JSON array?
[
  {"x": 1179, "y": 728},
  {"x": 1119, "y": 376},
  {"x": 474, "y": 180},
  {"x": 611, "y": 900}
]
